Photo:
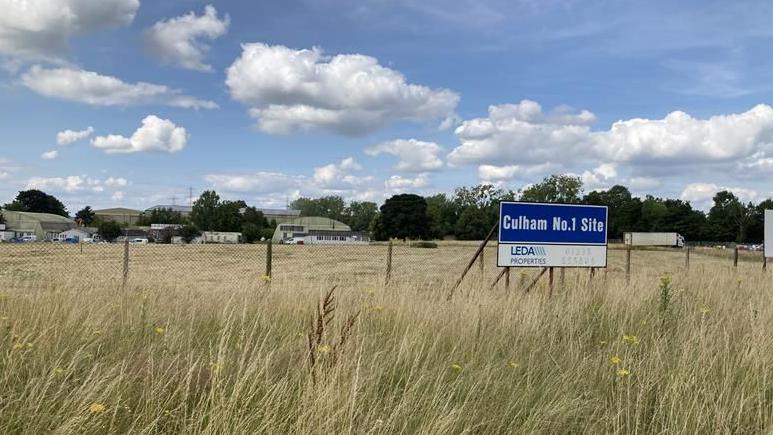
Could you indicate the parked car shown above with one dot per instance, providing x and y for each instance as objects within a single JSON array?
[{"x": 138, "y": 241}]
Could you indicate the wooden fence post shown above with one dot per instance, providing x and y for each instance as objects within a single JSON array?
[
  {"x": 507, "y": 278},
  {"x": 481, "y": 261},
  {"x": 388, "y": 275},
  {"x": 628, "y": 263},
  {"x": 562, "y": 277},
  {"x": 735, "y": 257},
  {"x": 269, "y": 259},
  {"x": 125, "y": 260},
  {"x": 536, "y": 278},
  {"x": 764, "y": 261},
  {"x": 687, "y": 258}
]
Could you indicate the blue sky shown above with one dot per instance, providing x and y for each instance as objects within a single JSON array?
[{"x": 266, "y": 101}]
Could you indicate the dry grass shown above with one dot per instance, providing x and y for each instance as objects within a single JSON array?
[{"x": 197, "y": 354}]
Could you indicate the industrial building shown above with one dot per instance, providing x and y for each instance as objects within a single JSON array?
[
  {"x": 317, "y": 231},
  {"x": 184, "y": 210},
  {"x": 220, "y": 237},
  {"x": 79, "y": 234},
  {"x": 121, "y": 215},
  {"x": 41, "y": 226}
]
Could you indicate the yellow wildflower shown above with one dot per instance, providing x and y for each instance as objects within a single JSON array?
[
  {"x": 265, "y": 278},
  {"x": 615, "y": 360},
  {"x": 631, "y": 339},
  {"x": 665, "y": 280},
  {"x": 456, "y": 367},
  {"x": 621, "y": 372},
  {"x": 159, "y": 330},
  {"x": 513, "y": 364},
  {"x": 377, "y": 308},
  {"x": 58, "y": 371},
  {"x": 705, "y": 310},
  {"x": 18, "y": 346},
  {"x": 214, "y": 367},
  {"x": 323, "y": 348},
  {"x": 97, "y": 408}
]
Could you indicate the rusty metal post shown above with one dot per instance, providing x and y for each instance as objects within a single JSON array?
[
  {"x": 125, "y": 260},
  {"x": 269, "y": 258},
  {"x": 735, "y": 257},
  {"x": 628, "y": 263},
  {"x": 388, "y": 274},
  {"x": 687, "y": 258}
]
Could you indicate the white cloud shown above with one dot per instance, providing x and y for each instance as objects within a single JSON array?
[
  {"x": 118, "y": 196},
  {"x": 702, "y": 194},
  {"x": 155, "y": 134},
  {"x": 491, "y": 174},
  {"x": 522, "y": 134},
  {"x": 116, "y": 182},
  {"x": 178, "y": 41},
  {"x": 600, "y": 177},
  {"x": 259, "y": 182},
  {"x": 66, "y": 184},
  {"x": 70, "y": 136},
  {"x": 336, "y": 176},
  {"x": 414, "y": 155},
  {"x": 41, "y": 29},
  {"x": 100, "y": 90},
  {"x": 50, "y": 155},
  {"x": 287, "y": 90},
  {"x": 515, "y": 141},
  {"x": 680, "y": 138},
  {"x": 643, "y": 183},
  {"x": 397, "y": 183}
]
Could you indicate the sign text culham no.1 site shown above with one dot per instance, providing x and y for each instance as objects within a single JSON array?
[{"x": 552, "y": 235}]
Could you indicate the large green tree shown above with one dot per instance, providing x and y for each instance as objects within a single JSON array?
[
  {"x": 442, "y": 214},
  {"x": 728, "y": 218},
  {"x": 85, "y": 216},
  {"x": 161, "y": 216},
  {"x": 204, "y": 210},
  {"x": 360, "y": 214},
  {"x": 555, "y": 188},
  {"x": 623, "y": 209},
  {"x": 36, "y": 201},
  {"x": 109, "y": 230},
  {"x": 477, "y": 208},
  {"x": 404, "y": 216}
]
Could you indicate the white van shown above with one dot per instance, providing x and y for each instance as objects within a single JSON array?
[{"x": 138, "y": 241}]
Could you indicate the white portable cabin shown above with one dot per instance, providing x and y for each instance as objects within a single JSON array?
[{"x": 220, "y": 237}]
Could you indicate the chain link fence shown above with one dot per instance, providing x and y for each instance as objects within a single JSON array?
[{"x": 220, "y": 265}]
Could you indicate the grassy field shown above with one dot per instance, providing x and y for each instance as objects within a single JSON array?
[{"x": 198, "y": 342}]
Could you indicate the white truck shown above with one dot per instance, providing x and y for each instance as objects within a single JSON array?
[{"x": 654, "y": 239}]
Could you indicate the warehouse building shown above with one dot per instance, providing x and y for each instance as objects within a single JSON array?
[
  {"x": 41, "y": 226},
  {"x": 317, "y": 230},
  {"x": 277, "y": 215},
  {"x": 125, "y": 216}
]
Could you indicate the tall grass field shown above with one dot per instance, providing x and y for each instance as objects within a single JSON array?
[{"x": 672, "y": 351}]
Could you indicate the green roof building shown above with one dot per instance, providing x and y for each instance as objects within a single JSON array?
[
  {"x": 44, "y": 226},
  {"x": 302, "y": 226}
]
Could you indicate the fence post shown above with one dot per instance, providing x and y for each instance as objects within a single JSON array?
[
  {"x": 507, "y": 278},
  {"x": 269, "y": 259},
  {"x": 764, "y": 261},
  {"x": 735, "y": 257},
  {"x": 125, "y": 260},
  {"x": 628, "y": 263},
  {"x": 481, "y": 262},
  {"x": 388, "y": 264},
  {"x": 687, "y": 258},
  {"x": 562, "y": 276}
]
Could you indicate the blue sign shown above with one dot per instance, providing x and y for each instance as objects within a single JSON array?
[{"x": 556, "y": 224}]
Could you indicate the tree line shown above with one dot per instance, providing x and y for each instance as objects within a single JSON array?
[{"x": 467, "y": 214}]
